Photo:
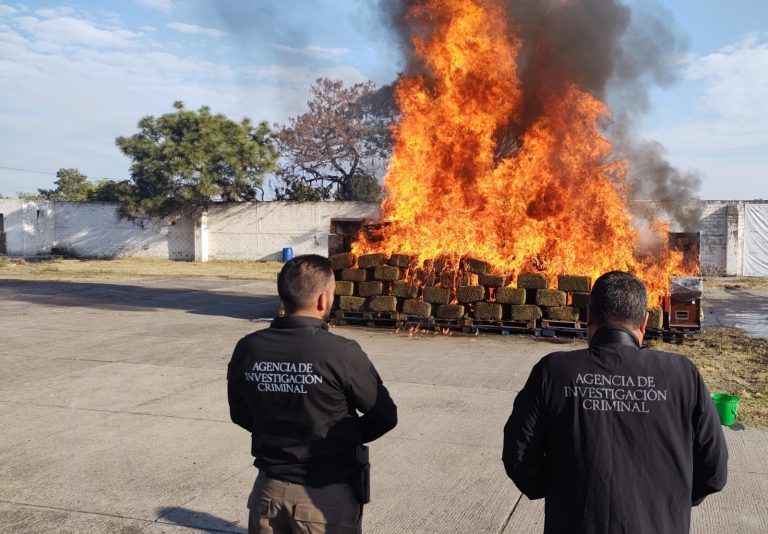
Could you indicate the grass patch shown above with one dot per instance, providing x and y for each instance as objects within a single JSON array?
[
  {"x": 736, "y": 282},
  {"x": 733, "y": 363},
  {"x": 122, "y": 268}
]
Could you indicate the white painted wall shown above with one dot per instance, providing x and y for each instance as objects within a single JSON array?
[
  {"x": 260, "y": 230},
  {"x": 28, "y": 226},
  {"x": 96, "y": 230}
]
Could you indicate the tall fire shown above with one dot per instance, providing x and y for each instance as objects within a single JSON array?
[{"x": 472, "y": 177}]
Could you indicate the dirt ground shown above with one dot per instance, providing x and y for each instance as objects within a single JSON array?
[
  {"x": 733, "y": 363},
  {"x": 736, "y": 282},
  {"x": 67, "y": 270}
]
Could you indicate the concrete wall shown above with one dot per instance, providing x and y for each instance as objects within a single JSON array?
[
  {"x": 96, "y": 230},
  {"x": 260, "y": 230},
  {"x": 28, "y": 226}
]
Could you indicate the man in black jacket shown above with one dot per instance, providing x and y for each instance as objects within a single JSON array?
[
  {"x": 615, "y": 437},
  {"x": 299, "y": 390}
]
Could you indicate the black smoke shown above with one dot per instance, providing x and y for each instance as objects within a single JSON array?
[{"x": 610, "y": 49}]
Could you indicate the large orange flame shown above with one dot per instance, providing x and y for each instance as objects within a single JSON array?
[{"x": 552, "y": 200}]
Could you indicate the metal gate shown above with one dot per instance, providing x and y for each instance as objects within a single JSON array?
[{"x": 756, "y": 239}]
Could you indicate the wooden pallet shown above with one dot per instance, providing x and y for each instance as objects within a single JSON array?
[
  {"x": 551, "y": 323},
  {"x": 571, "y": 329},
  {"x": 367, "y": 318},
  {"x": 676, "y": 336},
  {"x": 504, "y": 328},
  {"x": 462, "y": 325}
]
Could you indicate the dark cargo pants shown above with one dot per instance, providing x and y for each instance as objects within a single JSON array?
[{"x": 277, "y": 507}]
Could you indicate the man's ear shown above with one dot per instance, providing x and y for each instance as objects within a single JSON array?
[
  {"x": 644, "y": 324},
  {"x": 322, "y": 302}
]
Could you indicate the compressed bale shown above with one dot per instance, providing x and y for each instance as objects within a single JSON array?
[
  {"x": 370, "y": 260},
  {"x": 351, "y": 303},
  {"x": 469, "y": 294},
  {"x": 580, "y": 300},
  {"x": 370, "y": 289},
  {"x": 655, "y": 318},
  {"x": 450, "y": 311},
  {"x": 488, "y": 311},
  {"x": 532, "y": 281},
  {"x": 400, "y": 260},
  {"x": 491, "y": 280},
  {"x": 550, "y": 297},
  {"x": 563, "y": 313},
  {"x": 344, "y": 288},
  {"x": 382, "y": 303},
  {"x": 448, "y": 278},
  {"x": 403, "y": 289},
  {"x": 475, "y": 266},
  {"x": 385, "y": 272},
  {"x": 437, "y": 295},
  {"x": 468, "y": 279},
  {"x": 510, "y": 295},
  {"x": 355, "y": 275},
  {"x": 426, "y": 277},
  {"x": 572, "y": 284},
  {"x": 439, "y": 264},
  {"x": 417, "y": 307},
  {"x": 524, "y": 312},
  {"x": 342, "y": 261}
]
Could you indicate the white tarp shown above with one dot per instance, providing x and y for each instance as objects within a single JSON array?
[{"x": 756, "y": 240}]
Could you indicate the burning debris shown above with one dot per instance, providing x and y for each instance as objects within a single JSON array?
[
  {"x": 426, "y": 296},
  {"x": 500, "y": 154}
]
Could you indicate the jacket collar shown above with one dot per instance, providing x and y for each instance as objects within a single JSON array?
[
  {"x": 613, "y": 335},
  {"x": 298, "y": 321}
]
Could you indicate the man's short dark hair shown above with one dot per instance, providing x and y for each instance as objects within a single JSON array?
[
  {"x": 618, "y": 297},
  {"x": 301, "y": 279}
]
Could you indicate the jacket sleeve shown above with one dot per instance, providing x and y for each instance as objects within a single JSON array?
[
  {"x": 524, "y": 455},
  {"x": 369, "y": 396},
  {"x": 710, "y": 453},
  {"x": 239, "y": 411}
]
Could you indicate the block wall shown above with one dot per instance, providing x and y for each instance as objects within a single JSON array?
[
  {"x": 96, "y": 230},
  {"x": 260, "y": 230}
]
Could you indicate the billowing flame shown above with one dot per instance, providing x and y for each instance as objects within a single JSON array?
[{"x": 550, "y": 199}]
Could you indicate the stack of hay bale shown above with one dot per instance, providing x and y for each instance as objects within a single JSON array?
[
  {"x": 371, "y": 282},
  {"x": 378, "y": 284}
]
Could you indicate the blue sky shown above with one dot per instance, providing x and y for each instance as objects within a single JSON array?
[{"x": 76, "y": 74}]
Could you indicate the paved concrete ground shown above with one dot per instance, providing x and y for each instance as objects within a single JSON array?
[
  {"x": 744, "y": 309},
  {"x": 114, "y": 418}
]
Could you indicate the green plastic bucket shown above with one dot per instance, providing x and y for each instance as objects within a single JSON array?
[{"x": 727, "y": 407}]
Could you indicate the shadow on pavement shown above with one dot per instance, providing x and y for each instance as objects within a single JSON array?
[
  {"x": 185, "y": 517},
  {"x": 123, "y": 297}
]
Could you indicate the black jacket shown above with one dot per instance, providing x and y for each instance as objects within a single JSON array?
[
  {"x": 616, "y": 438},
  {"x": 298, "y": 389}
]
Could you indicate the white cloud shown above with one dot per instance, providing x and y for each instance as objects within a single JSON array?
[
  {"x": 726, "y": 135},
  {"x": 51, "y": 13},
  {"x": 164, "y": 6},
  {"x": 70, "y": 30},
  {"x": 7, "y": 10},
  {"x": 736, "y": 79},
  {"x": 314, "y": 52},
  {"x": 195, "y": 30}
]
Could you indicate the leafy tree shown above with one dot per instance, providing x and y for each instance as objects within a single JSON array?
[
  {"x": 337, "y": 148},
  {"x": 106, "y": 190},
  {"x": 184, "y": 159},
  {"x": 71, "y": 184}
]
